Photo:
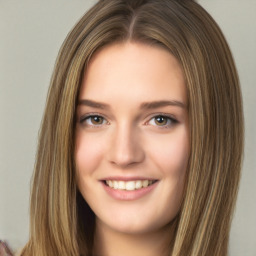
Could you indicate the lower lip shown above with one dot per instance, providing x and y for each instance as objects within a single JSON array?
[{"x": 128, "y": 195}]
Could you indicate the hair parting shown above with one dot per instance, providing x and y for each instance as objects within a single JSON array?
[{"x": 61, "y": 221}]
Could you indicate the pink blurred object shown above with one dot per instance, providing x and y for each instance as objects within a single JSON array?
[{"x": 4, "y": 250}]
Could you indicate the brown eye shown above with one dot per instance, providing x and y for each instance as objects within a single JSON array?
[
  {"x": 93, "y": 120},
  {"x": 161, "y": 120},
  {"x": 96, "y": 120}
]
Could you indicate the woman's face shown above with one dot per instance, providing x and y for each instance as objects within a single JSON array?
[{"x": 132, "y": 138}]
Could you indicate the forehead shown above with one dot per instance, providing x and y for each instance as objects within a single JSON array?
[{"x": 133, "y": 71}]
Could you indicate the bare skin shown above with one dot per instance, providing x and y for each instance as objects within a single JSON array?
[
  {"x": 132, "y": 130},
  {"x": 116, "y": 243}
]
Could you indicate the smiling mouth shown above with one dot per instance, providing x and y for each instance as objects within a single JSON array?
[{"x": 129, "y": 185}]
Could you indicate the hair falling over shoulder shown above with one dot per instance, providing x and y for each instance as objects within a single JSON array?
[{"x": 61, "y": 223}]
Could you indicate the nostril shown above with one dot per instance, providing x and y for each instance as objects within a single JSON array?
[{"x": 125, "y": 148}]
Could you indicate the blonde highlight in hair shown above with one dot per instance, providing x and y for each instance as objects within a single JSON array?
[{"x": 61, "y": 221}]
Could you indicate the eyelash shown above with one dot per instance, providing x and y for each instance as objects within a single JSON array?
[
  {"x": 171, "y": 121},
  {"x": 83, "y": 120}
]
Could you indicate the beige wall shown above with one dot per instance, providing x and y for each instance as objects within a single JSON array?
[{"x": 31, "y": 33}]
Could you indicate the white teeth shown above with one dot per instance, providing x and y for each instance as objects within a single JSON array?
[
  {"x": 145, "y": 183},
  {"x": 138, "y": 184},
  {"x": 129, "y": 185},
  {"x": 121, "y": 185},
  {"x": 115, "y": 184}
]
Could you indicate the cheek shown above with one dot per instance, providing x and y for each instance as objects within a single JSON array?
[
  {"x": 88, "y": 153},
  {"x": 171, "y": 157},
  {"x": 171, "y": 153}
]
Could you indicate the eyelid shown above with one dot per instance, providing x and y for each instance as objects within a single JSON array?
[
  {"x": 83, "y": 118},
  {"x": 173, "y": 119},
  {"x": 169, "y": 116}
]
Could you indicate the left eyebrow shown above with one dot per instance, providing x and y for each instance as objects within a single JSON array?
[
  {"x": 162, "y": 103},
  {"x": 94, "y": 104}
]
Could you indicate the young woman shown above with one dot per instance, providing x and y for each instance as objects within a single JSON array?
[{"x": 141, "y": 142}]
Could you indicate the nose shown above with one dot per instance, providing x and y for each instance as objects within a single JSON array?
[{"x": 126, "y": 147}]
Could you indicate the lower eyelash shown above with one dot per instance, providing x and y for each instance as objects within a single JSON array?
[
  {"x": 85, "y": 117},
  {"x": 172, "y": 120}
]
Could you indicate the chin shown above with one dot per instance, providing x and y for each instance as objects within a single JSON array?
[{"x": 135, "y": 224}]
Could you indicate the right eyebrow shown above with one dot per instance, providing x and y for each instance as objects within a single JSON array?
[
  {"x": 162, "y": 103},
  {"x": 94, "y": 104}
]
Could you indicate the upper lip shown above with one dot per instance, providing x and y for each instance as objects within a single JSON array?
[{"x": 125, "y": 178}]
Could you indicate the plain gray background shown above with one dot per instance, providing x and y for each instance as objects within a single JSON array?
[{"x": 31, "y": 32}]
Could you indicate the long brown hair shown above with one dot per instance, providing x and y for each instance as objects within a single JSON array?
[{"x": 61, "y": 223}]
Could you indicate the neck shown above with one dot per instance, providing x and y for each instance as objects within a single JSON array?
[{"x": 109, "y": 242}]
